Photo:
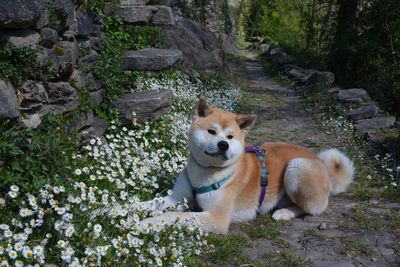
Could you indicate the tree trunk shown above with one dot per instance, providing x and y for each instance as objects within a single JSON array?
[
  {"x": 310, "y": 23},
  {"x": 325, "y": 24},
  {"x": 344, "y": 37}
]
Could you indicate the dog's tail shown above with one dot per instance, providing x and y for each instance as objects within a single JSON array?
[{"x": 340, "y": 169}]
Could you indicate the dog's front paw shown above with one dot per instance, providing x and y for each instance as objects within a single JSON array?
[{"x": 283, "y": 215}]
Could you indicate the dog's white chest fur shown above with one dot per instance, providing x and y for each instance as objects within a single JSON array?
[{"x": 208, "y": 201}]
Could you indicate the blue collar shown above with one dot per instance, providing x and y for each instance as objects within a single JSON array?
[{"x": 214, "y": 186}]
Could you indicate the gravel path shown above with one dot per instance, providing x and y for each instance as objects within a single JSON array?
[{"x": 350, "y": 233}]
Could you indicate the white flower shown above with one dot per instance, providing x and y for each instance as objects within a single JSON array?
[
  {"x": 13, "y": 254},
  {"x": 14, "y": 188},
  {"x": 13, "y": 194},
  {"x": 78, "y": 172}
]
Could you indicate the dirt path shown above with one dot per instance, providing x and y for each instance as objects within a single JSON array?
[{"x": 350, "y": 233}]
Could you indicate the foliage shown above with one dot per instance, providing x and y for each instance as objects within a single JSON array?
[
  {"x": 97, "y": 6},
  {"x": 358, "y": 40},
  {"x": 120, "y": 38},
  {"x": 35, "y": 157},
  {"x": 16, "y": 64},
  {"x": 69, "y": 207}
]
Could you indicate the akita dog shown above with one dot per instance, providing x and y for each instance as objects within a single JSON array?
[{"x": 230, "y": 181}]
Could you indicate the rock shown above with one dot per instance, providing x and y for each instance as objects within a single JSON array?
[
  {"x": 320, "y": 77},
  {"x": 363, "y": 112},
  {"x": 322, "y": 226},
  {"x": 43, "y": 21},
  {"x": 61, "y": 59},
  {"x": 70, "y": 52},
  {"x": 86, "y": 80},
  {"x": 333, "y": 263},
  {"x": 275, "y": 50},
  {"x": 264, "y": 48},
  {"x": 97, "y": 129},
  {"x": 147, "y": 105},
  {"x": 282, "y": 58},
  {"x": 372, "y": 125},
  {"x": 8, "y": 101},
  {"x": 62, "y": 98},
  {"x": 32, "y": 96},
  {"x": 387, "y": 251},
  {"x": 18, "y": 14},
  {"x": 20, "y": 38},
  {"x": 85, "y": 120},
  {"x": 200, "y": 49},
  {"x": 98, "y": 96},
  {"x": 64, "y": 10},
  {"x": 48, "y": 37},
  {"x": 333, "y": 90},
  {"x": 146, "y": 15},
  {"x": 297, "y": 73},
  {"x": 229, "y": 44},
  {"x": 357, "y": 95},
  {"x": 85, "y": 22},
  {"x": 32, "y": 121},
  {"x": 88, "y": 61},
  {"x": 151, "y": 59},
  {"x": 134, "y": 2}
]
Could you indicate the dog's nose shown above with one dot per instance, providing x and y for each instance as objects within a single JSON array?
[{"x": 223, "y": 145}]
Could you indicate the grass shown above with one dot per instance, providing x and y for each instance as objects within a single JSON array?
[
  {"x": 284, "y": 258},
  {"x": 227, "y": 249},
  {"x": 354, "y": 248},
  {"x": 263, "y": 227}
]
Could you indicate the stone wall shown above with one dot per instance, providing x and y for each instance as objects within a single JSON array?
[{"x": 68, "y": 40}]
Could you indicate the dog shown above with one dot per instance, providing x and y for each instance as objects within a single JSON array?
[{"x": 231, "y": 181}]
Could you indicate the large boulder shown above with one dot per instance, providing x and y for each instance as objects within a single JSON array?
[
  {"x": 37, "y": 98},
  {"x": 356, "y": 95},
  {"x": 146, "y": 15},
  {"x": 32, "y": 96},
  {"x": 297, "y": 73},
  {"x": 85, "y": 22},
  {"x": 8, "y": 101},
  {"x": 62, "y": 98},
  {"x": 18, "y": 14},
  {"x": 320, "y": 78},
  {"x": 368, "y": 126},
  {"x": 201, "y": 49},
  {"x": 281, "y": 58},
  {"x": 364, "y": 112},
  {"x": 151, "y": 59},
  {"x": 20, "y": 38},
  {"x": 146, "y": 105}
]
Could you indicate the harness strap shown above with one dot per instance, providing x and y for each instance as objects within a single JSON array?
[
  {"x": 264, "y": 172},
  {"x": 214, "y": 186}
]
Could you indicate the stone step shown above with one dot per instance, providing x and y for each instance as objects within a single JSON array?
[
  {"x": 147, "y": 105},
  {"x": 151, "y": 59},
  {"x": 146, "y": 15},
  {"x": 127, "y": 3}
]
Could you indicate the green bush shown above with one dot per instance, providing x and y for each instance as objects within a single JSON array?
[
  {"x": 16, "y": 64},
  {"x": 35, "y": 157}
]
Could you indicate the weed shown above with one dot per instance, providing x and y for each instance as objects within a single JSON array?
[
  {"x": 284, "y": 258},
  {"x": 263, "y": 227},
  {"x": 354, "y": 248},
  {"x": 227, "y": 249},
  {"x": 16, "y": 65}
]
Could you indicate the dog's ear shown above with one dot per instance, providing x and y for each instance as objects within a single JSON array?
[
  {"x": 202, "y": 109},
  {"x": 246, "y": 122}
]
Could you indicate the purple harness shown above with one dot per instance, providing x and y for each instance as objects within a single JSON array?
[{"x": 264, "y": 176}]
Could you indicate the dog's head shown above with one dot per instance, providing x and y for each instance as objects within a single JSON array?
[{"x": 216, "y": 137}]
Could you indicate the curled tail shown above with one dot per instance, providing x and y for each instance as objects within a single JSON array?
[{"x": 340, "y": 169}]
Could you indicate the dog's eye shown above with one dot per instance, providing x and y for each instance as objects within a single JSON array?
[
  {"x": 230, "y": 136},
  {"x": 211, "y": 131}
]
